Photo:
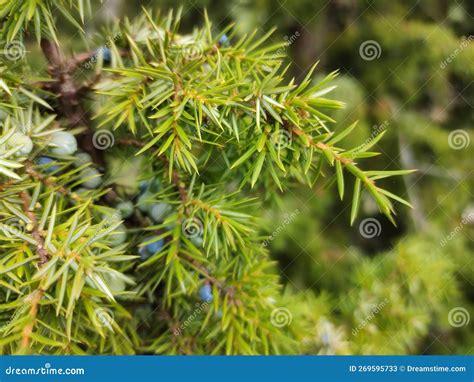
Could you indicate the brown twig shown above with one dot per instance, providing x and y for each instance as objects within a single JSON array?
[
  {"x": 130, "y": 142},
  {"x": 70, "y": 94},
  {"x": 28, "y": 329},
  {"x": 40, "y": 247},
  {"x": 204, "y": 271},
  {"x": 5, "y": 185},
  {"x": 46, "y": 181},
  {"x": 183, "y": 192}
]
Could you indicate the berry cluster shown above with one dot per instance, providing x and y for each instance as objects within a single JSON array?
[{"x": 145, "y": 205}]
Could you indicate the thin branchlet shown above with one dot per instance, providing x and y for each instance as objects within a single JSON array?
[{"x": 37, "y": 235}]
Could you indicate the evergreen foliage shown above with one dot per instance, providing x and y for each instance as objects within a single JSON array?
[
  {"x": 136, "y": 177},
  {"x": 202, "y": 115}
]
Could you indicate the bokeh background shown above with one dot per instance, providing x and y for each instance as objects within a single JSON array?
[{"x": 407, "y": 68}]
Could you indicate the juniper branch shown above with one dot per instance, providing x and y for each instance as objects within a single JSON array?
[{"x": 29, "y": 211}]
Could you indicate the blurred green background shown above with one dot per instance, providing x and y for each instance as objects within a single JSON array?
[{"x": 406, "y": 67}]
